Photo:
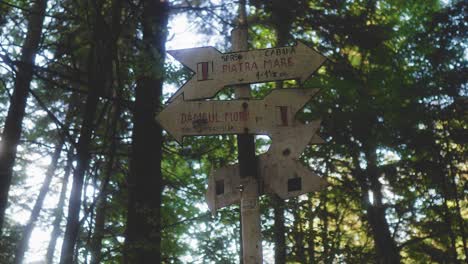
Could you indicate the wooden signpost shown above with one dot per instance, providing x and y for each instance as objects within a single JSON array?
[
  {"x": 274, "y": 115},
  {"x": 285, "y": 177},
  {"x": 214, "y": 70},
  {"x": 278, "y": 171}
]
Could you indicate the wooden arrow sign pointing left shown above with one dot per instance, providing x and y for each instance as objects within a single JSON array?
[
  {"x": 274, "y": 115},
  {"x": 214, "y": 70}
]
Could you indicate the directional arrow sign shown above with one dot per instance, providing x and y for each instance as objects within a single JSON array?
[
  {"x": 273, "y": 116},
  {"x": 224, "y": 185},
  {"x": 287, "y": 178},
  {"x": 279, "y": 170},
  {"x": 290, "y": 143},
  {"x": 214, "y": 70}
]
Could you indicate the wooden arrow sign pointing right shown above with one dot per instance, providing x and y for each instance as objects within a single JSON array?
[
  {"x": 287, "y": 178},
  {"x": 279, "y": 170},
  {"x": 214, "y": 70}
]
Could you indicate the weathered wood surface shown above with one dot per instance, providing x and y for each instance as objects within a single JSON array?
[
  {"x": 279, "y": 169},
  {"x": 273, "y": 116},
  {"x": 214, "y": 70},
  {"x": 285, "y": 177}
]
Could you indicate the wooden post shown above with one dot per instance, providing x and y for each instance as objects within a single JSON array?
[{"x": 250, "y": 213}]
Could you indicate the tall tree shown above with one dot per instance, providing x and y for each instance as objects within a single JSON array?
[
  {"x": 143, "y": 233},
  {"x": 13, "y": 124},
  {"x": 99, "y": 77}
]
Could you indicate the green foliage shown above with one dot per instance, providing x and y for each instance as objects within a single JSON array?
[
  {"x": 9, "y": 240},
  {"x": 392, "y": 103}
]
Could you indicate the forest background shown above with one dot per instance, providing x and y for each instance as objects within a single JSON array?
[{"x": 84, "y": 164}]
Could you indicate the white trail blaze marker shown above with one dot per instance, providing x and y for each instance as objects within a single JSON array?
[
  {"x": 214, "y": 70},
  {"x": 273, "y": 116}
]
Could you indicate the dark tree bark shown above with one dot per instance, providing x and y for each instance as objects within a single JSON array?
[
  {"x": 279, "y": 230},
  {"x": 99, "y": 221},
  {"x": 101, "y": 206},
  {"x": 298, "y": 233},
  {"x": 99, "y": 224},
  {"x": 385, "y": 247},
  {"x": 310, "y": 215},
  {"x": 324, "y": 232},
  {"x": 143, "y": 232},
  {"x": 22, "y": 246},
  {"x": 282, "y": 24},
  {"x": 83, "y": 158},
  {"x": 448, "y": 219},
  {"x": 13, "y": 123},
  {"x": 99, "y": 67}
]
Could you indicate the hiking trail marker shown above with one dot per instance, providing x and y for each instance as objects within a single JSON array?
[
  {"x": 280, "y": 171},
  {"x": 273, "y": 115},
  {"x": 276, "y": 172},
  {"x": 186, "y": 114},
  {"x": 214, "y": 70}
]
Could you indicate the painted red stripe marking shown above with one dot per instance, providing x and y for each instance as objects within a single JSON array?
[{"x": 205, "y": 70}]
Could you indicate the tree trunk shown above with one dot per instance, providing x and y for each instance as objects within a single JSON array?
[
  {"x": 386, "y": 249},
  {"x": 279, "y": 231},
  {"x": 96, "y": 242},
  {"x": 13, "y": 123},
  {"x": 448, "y": 219},
  {"x": 298, "y": 233},
  {"x": 100, "y": 64},
  {"x": 143, "y": 232},
  {"x": 56, "y": 230},
  {"x": 282, "y": 25},
  {"x": 83, "y": 157},
  {"x": 22, "y": 246},
  {"x": 323, "y": 213}
]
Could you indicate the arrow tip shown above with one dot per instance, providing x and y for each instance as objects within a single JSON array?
[
  {"x": 316, "y": 140},
  {"x": 312, "y": 60},
  {"x": 175, "y": 95},
  {"x": 166, "y": 120}
]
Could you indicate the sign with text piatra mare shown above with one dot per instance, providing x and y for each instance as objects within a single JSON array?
[
  {"x": 273, "y": 115},
  {"x": 188, "y": 115},
  {"x": 214, "y": 70}
]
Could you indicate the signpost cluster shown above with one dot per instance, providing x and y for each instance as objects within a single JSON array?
[{"x": 276, "y": 172}]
